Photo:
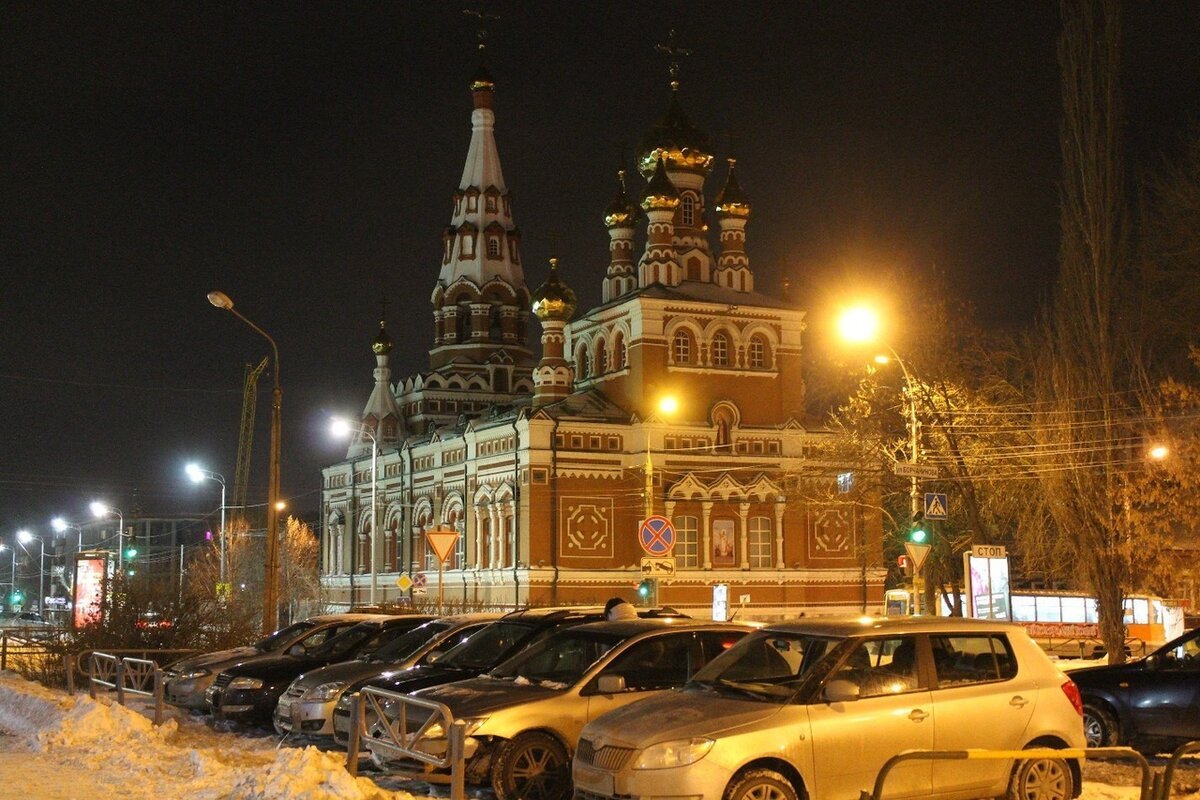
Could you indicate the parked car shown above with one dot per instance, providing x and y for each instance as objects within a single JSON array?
[
  {"x": 523, "y": 718},
  {"x": 25, "y": 619},
  {"x": 813, "y": 709},
  {"x": 1152, "y": 703},
  {"x": 483, "y": 651},
  {"x": 308, "y": 703},
  {"x": 188, "y": 680},
  {"x": 248, "y": 692}
]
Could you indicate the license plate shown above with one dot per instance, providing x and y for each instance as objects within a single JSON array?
[{"x": 593, "y": 780}]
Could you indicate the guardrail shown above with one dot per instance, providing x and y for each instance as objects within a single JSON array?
[
  {"x": 1154, "y": 786},
  {"x": 391, "y": 737},
  {"x": 114, "y": 672}
]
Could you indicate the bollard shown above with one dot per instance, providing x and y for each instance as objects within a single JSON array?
[
  {"x": 458, "y": 766},
  {"x": 69, "y": 663},
  {"x": 120, "y": 681},
  {"x": 3, "y": 650},
  {"x": 355, "y": 743},
  {"x": 158, "y": 696}
]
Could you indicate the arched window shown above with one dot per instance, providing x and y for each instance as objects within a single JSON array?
[
  {"x": 760, "y": 543},
  {"x": 758, "y": 351},
  {"x": 687, "y": 210},
  {"x": 619, "y": 355},
  {"x": 468, "y": 245},
  {"x": 493, "y": 247},
  {"x": 687, "y": 547},
  {"x": 581, "y": 363},
  {"x": 463, "y": 322},
  {"x": 495, "y": 327},
  {"x": 720, "y": 349},
  {"x": 600, "y": 365},
  {"x": 681, "y": 347}
]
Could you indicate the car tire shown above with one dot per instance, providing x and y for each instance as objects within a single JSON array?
[
  {"x": 1041, "y": 779},
  {"x": 533, "y": 766},
  {"x": 760, "y": 784},
  {"x": 1100, "y": 727}
]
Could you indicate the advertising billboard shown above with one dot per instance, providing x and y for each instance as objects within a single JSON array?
[
  {"x": 90, "y": 588},
  {"x": 988, "y": 592}
]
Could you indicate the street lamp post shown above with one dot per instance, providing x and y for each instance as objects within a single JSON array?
[
  {"x": 25, "y": 537},
  {"x": 667, "y": 406},
  {"x": 197, "y": 474},
  {"x": 342, "y": 428},
  {"x": 100, "y": 511},
  {"x": 60, "y": 525},
  {"x": 12, "y": 584},
  {"x": 271, "y": 578}
]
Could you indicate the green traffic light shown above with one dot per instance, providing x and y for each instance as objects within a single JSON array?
[
  {"x": 918, "y": 536},
  {"x": 644, "y": 589},
  {"x": 130, "y": 552}
]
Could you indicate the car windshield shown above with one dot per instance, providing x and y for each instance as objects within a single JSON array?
[
  {"x": 486, "y": 646},
  {"x": 280, "y": 637},
  {"x": 561, "y": 659},
  {"x": 409, "y": 641},
  {"x": 345, "y": 644},
  {"x": 767, "y": 665}
]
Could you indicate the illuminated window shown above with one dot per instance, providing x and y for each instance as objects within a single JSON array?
[
  {"x": 720, "y": 350},
  {"x": 687, "y": 207},
  {"x": 682, "y": 347},
  {"x": 758, "y": 352}
]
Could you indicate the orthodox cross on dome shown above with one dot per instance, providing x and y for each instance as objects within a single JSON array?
[
  {"x": 481, "y": 18},
  {"x": 673, "y": 51},
  {"x": 383, "y": 304}
]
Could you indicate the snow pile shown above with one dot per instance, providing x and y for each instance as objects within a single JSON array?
[{"x": 117, "y": 747}]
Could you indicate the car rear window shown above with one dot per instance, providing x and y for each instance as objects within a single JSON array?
[{"x": 965, "y": 659}]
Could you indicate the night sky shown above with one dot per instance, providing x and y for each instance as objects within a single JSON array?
[{"x": 301, "y": 158}]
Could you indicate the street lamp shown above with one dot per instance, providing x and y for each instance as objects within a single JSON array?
[
  {"x": 100, "y": 511},
  {"x": 25, "y": 537},
  {"x": 271, "y": 579},
  {"x": 60, "y": 525},
  {"x": 197, "y": 474},
  {"x": 341, "y": 428}
]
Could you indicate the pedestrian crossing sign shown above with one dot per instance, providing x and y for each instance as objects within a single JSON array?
[{"x": 935, "y": 505}]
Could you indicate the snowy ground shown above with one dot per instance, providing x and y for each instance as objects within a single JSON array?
[{"x": 54, "y": 747}]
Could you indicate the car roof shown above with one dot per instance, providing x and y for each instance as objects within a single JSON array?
[
  {"x": 873, "y": 626},
  {"x": 467, "y": 619},
  {"x": 632, "y": 627},
  {"x": 354, "y": 616}
]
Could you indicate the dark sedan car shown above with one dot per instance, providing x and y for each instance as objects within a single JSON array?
[
  {"x": 248, "y": 692},
  {"x": 1152, "y": 703}
]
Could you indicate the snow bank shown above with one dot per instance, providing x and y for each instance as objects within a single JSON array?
[{"x": 119, "y": 747}]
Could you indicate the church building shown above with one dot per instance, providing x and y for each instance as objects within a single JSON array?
[{"x": 680, "y": 395}]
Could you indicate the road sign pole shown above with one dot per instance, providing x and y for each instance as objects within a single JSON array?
[{"x": 441, "y": 585}]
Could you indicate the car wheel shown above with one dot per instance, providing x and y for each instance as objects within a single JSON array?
[
  {"x": 533, "y": 766},
  {"x": 760, "y": 784},
  {"x": 1099, "y": 727},
  {"x": 1041, "y": 779}
]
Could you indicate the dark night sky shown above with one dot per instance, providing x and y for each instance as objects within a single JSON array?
[{"x": 301, "y": 157}]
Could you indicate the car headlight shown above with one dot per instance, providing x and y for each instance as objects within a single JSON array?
[
  {"x": 245, "y": 683},
  {"x": 677, "y": 753},
  {"x": 325, "y": 692},
  {"x": 435, "y": 731},
  {"x": 191, "y": 675}
]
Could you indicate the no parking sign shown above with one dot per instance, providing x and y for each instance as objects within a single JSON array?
[{"x": 657, "y": 535}]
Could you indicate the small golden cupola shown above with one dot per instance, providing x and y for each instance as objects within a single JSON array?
[
  {"x": 660, "y": 194},
  {"x": 622, "y": 212},
  {"x": 381, "y": 345},
  {"x": 554, "y": 305},
  {"x": 731, "y": 200},
  {"x": 733, "y": 212},
  {"x": 621, "y": 219},
  {"x": 554, "y": 300}
]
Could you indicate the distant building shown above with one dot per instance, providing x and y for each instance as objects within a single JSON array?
[{"x": 546, "y": 462}]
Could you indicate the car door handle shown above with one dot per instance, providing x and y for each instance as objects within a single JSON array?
[
  {"x": 917, "y": 715},
  {"x": 1018, "y": 702}
]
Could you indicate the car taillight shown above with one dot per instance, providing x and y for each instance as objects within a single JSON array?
[{"x": 1072, "y": 692}]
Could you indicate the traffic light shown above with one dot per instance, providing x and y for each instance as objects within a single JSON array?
[
  {"x": 130, "y": 551},
  {"x": 644, "y": 588},
  {"x": 917, "y": 533},
  {"x": 16, "y": 598}
]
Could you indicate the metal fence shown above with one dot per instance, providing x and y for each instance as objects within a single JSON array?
[
  {"x": 127, "y": 675},
  {"x": 397, "y": 731}
]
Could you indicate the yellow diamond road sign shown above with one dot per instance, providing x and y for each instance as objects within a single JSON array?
[{"x": 404, "y": 582}]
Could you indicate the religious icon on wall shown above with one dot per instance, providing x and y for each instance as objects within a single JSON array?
[{"x": 723, "y": 550}]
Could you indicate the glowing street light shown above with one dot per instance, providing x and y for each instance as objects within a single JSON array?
[
  {"x": 60, "y": 525},
  {"x": 341, "y": 428},
  {"x": 100, "y": 511},
  {"x": 197, "y": 475},
  {"x": 1159, "y": 452},
  {"x": 859, "y": 324},
  {"x": 668, "y": 405}
]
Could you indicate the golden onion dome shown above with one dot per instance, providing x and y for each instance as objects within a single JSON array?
[
  {"x": 675, "y": 138},
  {"x": 622, "y": 212},
  {"x": 660, "y": 192},
  {"x": 731, "y": 200},
  {"x": 381, "y": 345},
  {"x": 554, "y": 299}
]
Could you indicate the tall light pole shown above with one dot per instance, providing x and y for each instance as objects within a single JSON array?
[
  {"x": 197, "y": 474},
  {"x": 100, "y": 511},
  {"x": 271, "y": 578},
  {"x": 60, "y": 525},
  {"x": 25, "y": 537},
  {"x": 12, "y": 584},
  {"x": 342, "y": 428},
  {"x": 667, "y": 406}
]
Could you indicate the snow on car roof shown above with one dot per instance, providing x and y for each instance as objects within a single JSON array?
[{"x": 869, "y": 626}]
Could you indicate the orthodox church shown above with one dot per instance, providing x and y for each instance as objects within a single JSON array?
[{"x": 681, "y": 395}]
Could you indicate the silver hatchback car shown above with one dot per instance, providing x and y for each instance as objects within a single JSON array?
[{"x": 814, "y": 708}]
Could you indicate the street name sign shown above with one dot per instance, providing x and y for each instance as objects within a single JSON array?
[{"x": 907, "y": 469}]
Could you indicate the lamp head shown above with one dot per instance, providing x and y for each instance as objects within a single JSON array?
[
  {"x": 24, "y": 536},
  {"x": 339, "y": 427},
  {"x": 1158, "y": 452},
  {"x": 668, "y": 404},
  {"x": 59, "y": 524},
  {"x": 194, "y": 472},
  {"x": 859, "y": 324},
  {"x": 220, "y": 300},
  {"x": 98, "y": 509}
]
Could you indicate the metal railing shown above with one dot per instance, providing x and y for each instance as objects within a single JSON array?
[
  {"x": 127, "y": 675},
  {"x": 392, "y": 737},
  {"x": 1154, "y": 786}
]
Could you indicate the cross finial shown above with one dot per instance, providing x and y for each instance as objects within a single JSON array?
[
  {"x": 481, "y": 20},
  {"x": 673, "y": 51},
  {"x": 383, "y": 304}
]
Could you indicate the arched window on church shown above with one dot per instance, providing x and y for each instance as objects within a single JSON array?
[
  {"x": 493, "y": 247},
  {"x": 495, "y": 327},
  {"x": 681, "y": 347},
  {"x": 723, "y": 421},
  {"x": 760, "y": 543},
  {"x": 687, "y": 210},
  {"x": 720, "y": 349},
  {"x": 468, "y": 245},
  {"x": 463, "y": 322},
  {"x": 600, "y": 365},
  {"x": 758, "y": 351},
  {"x": 619, "y": 357},
  {"x": 581, "y": 362}
]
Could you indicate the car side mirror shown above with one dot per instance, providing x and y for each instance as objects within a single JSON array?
[
  {"x": 610, "y": 684},
  {"x": 296, "y": 650},
  {"x": 841, "y": 691}
]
